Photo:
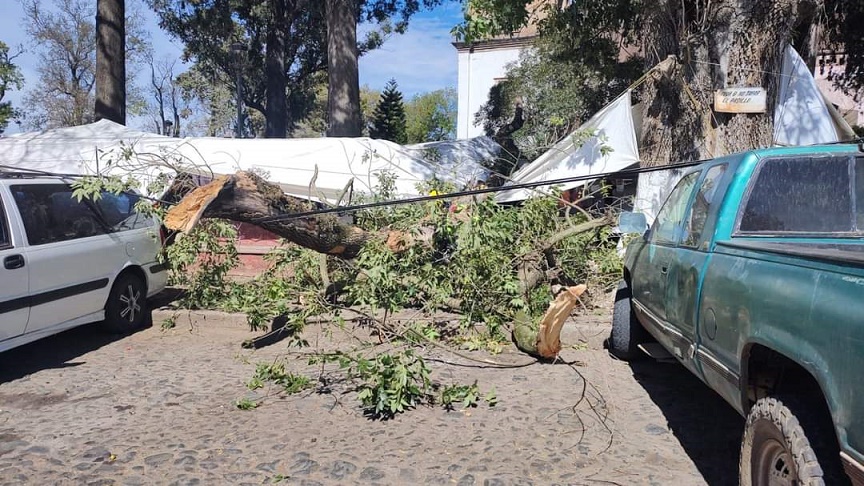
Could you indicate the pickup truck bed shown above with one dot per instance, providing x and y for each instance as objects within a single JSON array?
[{"x": 847, "y": 253}]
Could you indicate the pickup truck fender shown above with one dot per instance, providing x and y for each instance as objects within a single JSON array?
[{"x": 771, "y": 364}]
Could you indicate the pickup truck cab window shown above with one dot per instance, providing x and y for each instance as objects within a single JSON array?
[
  {"x": 706, "y": 197},
  {"x": 667, "y": 225},
  {"x": 802, "y": 195}
]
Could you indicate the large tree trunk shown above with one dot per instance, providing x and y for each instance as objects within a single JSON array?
[
  {"x": 716, "y": 44},
  {"x": 343, "y": 103},
  {"x": 277, "y": 100},
  {"x": 247, "y": 198},
  {"x": 111, "y": 61}
]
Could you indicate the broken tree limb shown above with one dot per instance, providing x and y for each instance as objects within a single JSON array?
[
  {"x": 544, "y": 339},
  {"x": 531, "y": 272},
  {"x": 247, "y": 198}
]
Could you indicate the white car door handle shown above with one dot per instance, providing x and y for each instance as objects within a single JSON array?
[{"x": 13, "y": 262}]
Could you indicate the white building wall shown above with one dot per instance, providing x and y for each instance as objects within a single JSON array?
[
  {"x": 478, "y": 72},
  {"x": 851, "y": 107}
]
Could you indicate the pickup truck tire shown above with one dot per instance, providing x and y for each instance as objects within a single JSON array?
[
  {"x": 126, "y": 309},
  {"x": 627, "y": 332},
  {"x": 788, "y": 440}
]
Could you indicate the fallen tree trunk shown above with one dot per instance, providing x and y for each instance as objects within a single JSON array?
[{"x": 247, "y": 198}]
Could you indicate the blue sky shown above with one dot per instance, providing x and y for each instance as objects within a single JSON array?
[{"x": 420, "y": 60}]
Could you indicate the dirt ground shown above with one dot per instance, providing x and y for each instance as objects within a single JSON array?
[{"x": 157, "y": 407}]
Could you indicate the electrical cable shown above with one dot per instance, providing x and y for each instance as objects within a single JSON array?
[{"x": 488, "y": 190}]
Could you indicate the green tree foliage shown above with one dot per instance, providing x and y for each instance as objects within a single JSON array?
[
  {"x": 212, "y": 100},
  {"x": 570, "y": 74},
  {"x": 488, "y": 18},
  {"x": 283, "y": 40},
  {"x": 315, "y": 123},
  {"x": 388, "y": 121},
  {"x": 10, "y": 78},
  {"x": 431, "y": 117},
  {"x": 368, "y": 101}
]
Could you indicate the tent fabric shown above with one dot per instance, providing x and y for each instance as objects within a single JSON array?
[
  {"x": 613, "y": 127},
  {"x": 460, "y": 156},
  {"x": 316, "y": 168},
  {"x": 801, "y": 116},
  {"x": 73, "y": 150}
]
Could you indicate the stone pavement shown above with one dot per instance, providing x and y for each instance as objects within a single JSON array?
[{"x": 157, "y": 407}]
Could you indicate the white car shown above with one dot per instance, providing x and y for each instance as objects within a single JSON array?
[{"x": 66, "y": 263}]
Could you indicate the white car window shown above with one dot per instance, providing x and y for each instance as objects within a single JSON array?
[
  {"x": 118, "y": 211},
  {"x": 5, "y": 238},
  {"x": 50, "y": 214}
]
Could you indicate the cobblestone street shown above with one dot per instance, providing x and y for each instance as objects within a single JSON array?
[{"x": 157, "y": 407}]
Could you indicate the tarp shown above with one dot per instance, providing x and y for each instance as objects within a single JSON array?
[
  {"x": 325, "y": 164},
  {"x": 460, "y": 156},
  {"x": 73, "y": 150},
  {"x": 612, "y": 127},
  {"x": 802, "y": 116}
]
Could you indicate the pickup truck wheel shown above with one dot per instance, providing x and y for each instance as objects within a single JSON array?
[
  {"x": 627, "y": 332},
  {"x": 786, "y": 443},
  {"x": 126, "y": 309}
]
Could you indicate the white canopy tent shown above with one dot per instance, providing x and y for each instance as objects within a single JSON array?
[
  {"x": 611, "y": 128},
  {"x": 73, "y": 150},
  {"x": 328, "y": 165}
]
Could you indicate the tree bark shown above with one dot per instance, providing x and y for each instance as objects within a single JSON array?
[
  {"x": 277, "y": 99},
  {"x": 111, "y": 61},
  {"x": 544, "y": 339},
  {"x": 343, "y": 101},
  {"x": 247, "y": 198},
  {"x": 716, "y": 44}
]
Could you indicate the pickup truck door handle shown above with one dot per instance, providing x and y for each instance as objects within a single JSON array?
[
  {"x": 13, "y": 262},
  {"x": 664, "y": 269}
]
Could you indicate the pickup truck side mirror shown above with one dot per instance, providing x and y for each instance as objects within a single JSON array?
[{"x": 632, "y": 223}]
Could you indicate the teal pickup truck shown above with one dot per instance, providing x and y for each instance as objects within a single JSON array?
[{"x": 752, "y": 276}]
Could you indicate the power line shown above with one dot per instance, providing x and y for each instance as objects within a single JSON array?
[{"x": 488, "y": 190}]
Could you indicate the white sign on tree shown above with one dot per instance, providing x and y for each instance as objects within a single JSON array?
[{"x": 740, "y": 100}]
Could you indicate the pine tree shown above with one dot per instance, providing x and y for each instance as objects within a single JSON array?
[{"x": 388, "y": 121}]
